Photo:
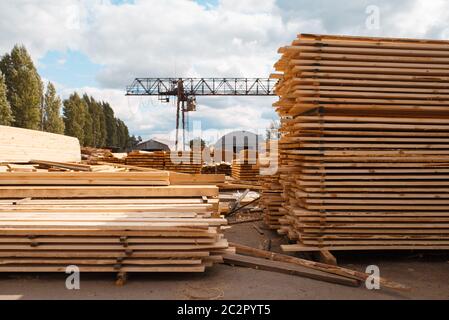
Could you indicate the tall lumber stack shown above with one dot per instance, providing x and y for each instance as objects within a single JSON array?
[
  {"x": 107, "y": 222},
  {"x": 271, "y": 200},
  {"x": 365, "y": 146},
  {"x": 244, "y": 167},
  {"x": 271, "y": 194}
]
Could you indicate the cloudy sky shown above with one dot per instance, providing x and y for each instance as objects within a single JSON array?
[{"x": 100, "y": 46}]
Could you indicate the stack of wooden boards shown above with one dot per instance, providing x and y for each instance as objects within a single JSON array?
[
  {"x": 271, "y": 199},
  {"x": 245, "y": 167},
  {"x": 93, "y": 154},
  {"x": 22, "y": 145},
  {"x": 217, "y": 168},
  {"x": 155, "y": 160},
  {"x": 365, "y": 146},
  {"x": 107, "y": 222},
  {"x": 185, "y": 162}
]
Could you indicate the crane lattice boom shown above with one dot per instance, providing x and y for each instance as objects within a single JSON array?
[{"x": 202, "y": 87}]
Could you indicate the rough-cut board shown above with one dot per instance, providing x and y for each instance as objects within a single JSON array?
[
  {"x": 22, "y": 145},
  {"x": 105, "y": 191},
  {"x": 287, "y": 268},
  {"x": 158, "y": 178}
]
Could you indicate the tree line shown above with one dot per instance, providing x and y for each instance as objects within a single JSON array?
[{"x": 25, "y": 103}]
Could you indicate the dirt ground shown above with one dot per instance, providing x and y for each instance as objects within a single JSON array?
[{"x": 427, "y": 274}]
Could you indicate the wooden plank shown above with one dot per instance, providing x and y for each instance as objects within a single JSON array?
[
  {"x": 101, "y": 192},
  {"x": 282, "y": 267},
  {"x": 113, "y": 269}
]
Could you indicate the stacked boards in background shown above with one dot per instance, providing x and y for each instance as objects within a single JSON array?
[
  {"x": 271, "y": 200},
  {"x": 245, "y": 166},
  {"x": 271, "y": 190},
  {"x": 154, "y": 160},
  {"x": 113, "y": 222},
  {"x": 185, "y": 161},
  {"x": 365, "y": 146},
  {"x": 217, "y": 168}
]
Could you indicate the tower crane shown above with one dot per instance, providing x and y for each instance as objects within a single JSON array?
[{"x": 185, "y": 90}]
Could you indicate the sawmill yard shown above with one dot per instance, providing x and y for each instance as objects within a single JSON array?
[
  {"x": 346, "y": 197},
  {"x": 355, "y": 208}
]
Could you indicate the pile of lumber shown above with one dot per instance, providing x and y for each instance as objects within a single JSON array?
[
  {"x": 245, "y": 167},
  {"x": 19, "y": 145},
  {"x": 155, "y": 160},
  {"x": 365, "y": 146},
  {"x": 271, "y": 200},
  {"x": 217, "y": 168},
  {"x": 185, "y": 162},
  {"x": 103, "y": 222}
]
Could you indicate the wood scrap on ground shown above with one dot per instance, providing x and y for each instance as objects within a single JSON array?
[
  {"x": 287, "y": 268},
  {"x": 344, "y": 272}
]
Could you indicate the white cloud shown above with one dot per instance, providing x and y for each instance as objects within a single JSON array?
[{"x": 183, "y": 38}]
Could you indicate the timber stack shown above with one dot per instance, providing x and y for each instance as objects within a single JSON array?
[
  {"x": 365, "y": 145},
  {"x": 271, "y": 193},
  {"x": 154, "y": 160},
  {"x": 108, "y": 222},
  {"x": 245, "y": 166},
  {"x": 184, "y": 162},
  {"x": 217, "y": 168}
]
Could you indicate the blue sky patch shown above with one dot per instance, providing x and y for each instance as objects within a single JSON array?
[
  {"x": 71, "y": 68},
  {"x": 208, "y": 3},
  {"x": 120, "y": 2}
]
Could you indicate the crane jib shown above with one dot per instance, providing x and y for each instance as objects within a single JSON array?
[{"x": 201, "y": 87}]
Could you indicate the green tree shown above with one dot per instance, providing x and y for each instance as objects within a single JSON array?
[
  {"x": 25, "y": 88},
  {"x": 122, "y": 134},
  {"x": 132, "y": 142},
  {"x": 75, "y": 110},
  {"x": 6, "y": 117},
  {"x": 53, "y": 121},
  {"x": 98, "y": 122},
  {"x": 88, "y": 128},
  {"x": 111, "y": 126}
]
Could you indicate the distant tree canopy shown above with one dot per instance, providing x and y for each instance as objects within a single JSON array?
[
  {"x": 6, "y": 117},
  {"x": 52, "y": 111},
  {"x": 24, "y": 86},
  {"x": 24, "y": 104}
]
